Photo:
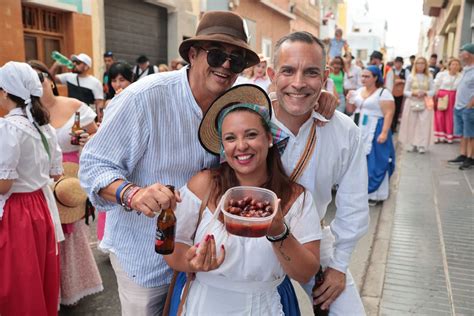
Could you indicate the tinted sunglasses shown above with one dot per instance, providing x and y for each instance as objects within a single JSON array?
[
  {"x": 42, "y": 76},
  {"x": 216, "y": 58}
]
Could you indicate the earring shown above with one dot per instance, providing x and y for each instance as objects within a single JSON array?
[{"x": 271, "y": 145}]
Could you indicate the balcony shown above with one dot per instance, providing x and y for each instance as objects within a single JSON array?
[{"x": 433, "y": 7}]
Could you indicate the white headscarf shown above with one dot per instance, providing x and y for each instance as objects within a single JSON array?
[{"x": 20, "y": 80}]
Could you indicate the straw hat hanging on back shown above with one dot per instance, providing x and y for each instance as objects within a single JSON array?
[{"x": 70, "y": 197}]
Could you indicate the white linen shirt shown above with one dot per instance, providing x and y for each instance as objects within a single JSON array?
[
  {"x": 149, "y": 135},
  {"x": 338, "y": 159}
]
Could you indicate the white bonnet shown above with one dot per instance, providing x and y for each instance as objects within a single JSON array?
[{"x": 20, "y": 80}]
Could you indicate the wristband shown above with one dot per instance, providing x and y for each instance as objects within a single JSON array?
[
  {"x": 280, "y": 237},
  {"x": 119, "y": 191}
]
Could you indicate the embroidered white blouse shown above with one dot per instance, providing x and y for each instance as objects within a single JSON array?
[
  {"x": 444, "y": 81},
  {"x": 25, "y": 160}
]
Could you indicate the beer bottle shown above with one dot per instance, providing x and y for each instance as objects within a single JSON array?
[
  {"x": 318, "y": 280},
  {"x": 77, "y": 126},
  {"x": 60, "y": 58},
  {"x": 165, "y": 230}
]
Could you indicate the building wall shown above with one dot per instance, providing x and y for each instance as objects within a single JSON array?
[
  {"x": 11, "y": 28},
  {"x": 307, "y": 17},
  {"x": 270, "y": 23}
]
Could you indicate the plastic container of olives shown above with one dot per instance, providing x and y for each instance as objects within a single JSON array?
[{"x": 248, "y": 211}]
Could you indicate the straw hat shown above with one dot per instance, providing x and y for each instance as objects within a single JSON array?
[
  {"x": 221, "y": 27},
  {"x": 70, "y": 197},
  {"x": 245, "y": 93}
]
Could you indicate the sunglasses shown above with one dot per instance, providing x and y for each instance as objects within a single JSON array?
[
  {"x": 77, "y": 62},
  {"x": 216, "y": 58},
  {"x": 42, "y": 76}
]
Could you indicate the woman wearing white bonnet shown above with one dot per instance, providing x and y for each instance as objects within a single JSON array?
[{"x": 29, "y": 222}]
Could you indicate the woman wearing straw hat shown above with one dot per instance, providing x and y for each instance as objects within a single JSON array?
[
  {"x": 235, "y": 274},
  {"x": 79, "y": 273},
  {"x": 29, "y": 220}
]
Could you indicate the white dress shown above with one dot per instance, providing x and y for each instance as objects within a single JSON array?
[
  {"x": 246, "y": 282},
  {"x": 370, "y": 114},
  {"x": 63, "y": 132}
]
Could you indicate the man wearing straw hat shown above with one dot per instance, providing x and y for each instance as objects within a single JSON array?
[{"x": 324, "y": 156}]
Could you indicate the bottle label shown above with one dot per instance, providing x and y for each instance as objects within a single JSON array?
[{"x": 160, "y": 237}]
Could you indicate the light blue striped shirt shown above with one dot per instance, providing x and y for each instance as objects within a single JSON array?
[{"x": 149, "y": 135}]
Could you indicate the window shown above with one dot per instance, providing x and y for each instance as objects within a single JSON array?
[
  {"x": 267, "y": 47},
  {"x": 362, "y": 54},
  {"x": 43, "y": 33},
  {"x": 252, "y": 28}
]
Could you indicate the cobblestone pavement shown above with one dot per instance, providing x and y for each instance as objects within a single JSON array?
[{"x": 430, "y": 262}]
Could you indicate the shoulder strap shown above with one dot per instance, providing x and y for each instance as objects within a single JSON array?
[
  {"x": 306, "y": 155},
  {"x": 77, "y": 80},
  {"x": 381, "y": 91},
  {"x": 201, "y": 210},
  {"x": 44, "y": 141}
]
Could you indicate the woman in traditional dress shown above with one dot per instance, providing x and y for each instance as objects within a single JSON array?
[
  {"x": 417, "y": 117},
  {"x": 240, "y": 275},
  {"x": 79, "y": 273},
  {"x": 30, "y": 228},
  {"x": 376, "y": 107},
  {"x": 446, "y": 84}
]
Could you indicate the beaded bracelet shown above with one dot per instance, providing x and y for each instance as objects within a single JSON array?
[
  {"x": 130, "y": 196},
  {"x": 125, "y": 195}
]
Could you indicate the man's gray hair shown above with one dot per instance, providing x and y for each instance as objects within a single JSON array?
[{"x": 304, "y": 37}]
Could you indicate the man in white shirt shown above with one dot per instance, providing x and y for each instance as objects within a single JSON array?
[
  {"x": 338, "y": 158},
  {"x": 81, "y": 85},
  {"x": 143, "y": 68}
]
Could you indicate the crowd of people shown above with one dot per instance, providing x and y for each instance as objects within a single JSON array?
[
  {"x": 426, "y": 99},
  {"x": 224, "y": 116}
]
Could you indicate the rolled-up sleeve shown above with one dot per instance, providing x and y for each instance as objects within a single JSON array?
[
  {"x": 352, "y": 215},
  {"x": 115, "y": 149}
]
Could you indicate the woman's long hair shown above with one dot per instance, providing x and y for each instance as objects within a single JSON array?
[
  {"x": 38, "y": 65},
  {"x": 224, "y": 177},
  {"x": 426, "y": 72},
  {"x": 38, "y": 111}
]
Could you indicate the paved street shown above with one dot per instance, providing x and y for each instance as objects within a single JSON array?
[{"x": 430, "y": 263}]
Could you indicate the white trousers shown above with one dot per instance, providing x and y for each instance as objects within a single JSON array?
[
  {"x": 136, "y": 300},
  {"x": 349, "y": 302}
]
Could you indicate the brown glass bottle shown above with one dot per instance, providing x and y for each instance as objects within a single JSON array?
[
  {"x": 77, "y": 126},
  {"x": 165, "y": 230},
  {"x": 318, "y": 280}
]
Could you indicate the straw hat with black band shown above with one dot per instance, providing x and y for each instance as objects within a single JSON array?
[
  {"x": 221, "y": 27},
  {"x": 70, "y": 197},
  {"x": 245, "y": 93}
]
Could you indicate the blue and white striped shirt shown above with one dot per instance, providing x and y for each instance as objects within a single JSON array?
[{"x": 149, "y": 135}]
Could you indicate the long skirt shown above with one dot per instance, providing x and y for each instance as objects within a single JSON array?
[
  {"x": 29, "y": 265},
  {"x": 79, "y": 273},
  {"x": 444, "y": 120},
  {"x": 286, "y": 291},
  {"x": 416, "y": 127},
  {"x": 381, "y": 159}
]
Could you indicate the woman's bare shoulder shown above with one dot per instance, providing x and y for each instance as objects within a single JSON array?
[{"x": 200, "y": 183}]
